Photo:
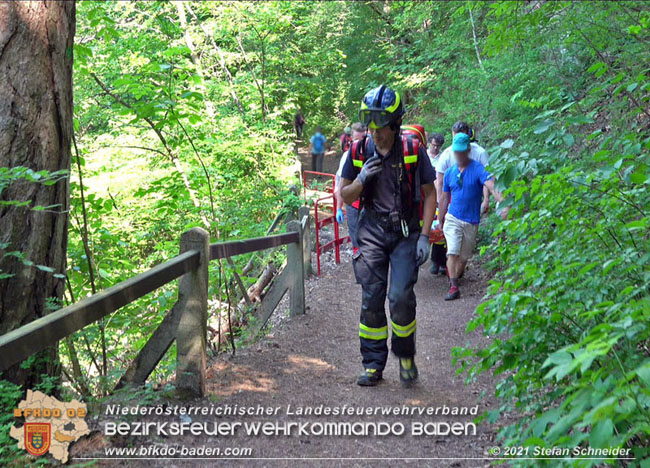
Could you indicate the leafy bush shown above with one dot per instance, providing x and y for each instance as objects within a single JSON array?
[
  {"x": 10, "y": 396},
  {"x": 568, "y": 311},
  {"x": 190, "y": 125}
]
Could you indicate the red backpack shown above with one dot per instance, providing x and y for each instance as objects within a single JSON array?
[
  {"x": 419, "y": 132},
  {"x": 346, "y": 140}
]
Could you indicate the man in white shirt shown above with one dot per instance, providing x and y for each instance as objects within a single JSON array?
[
  {"x": 447, "y": 160},
  {"x": 436, "y": 140}
]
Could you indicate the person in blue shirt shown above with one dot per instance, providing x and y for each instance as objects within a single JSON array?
[
  {"x": 464, "y": 182},
  {"x": 318, "y": 142}
]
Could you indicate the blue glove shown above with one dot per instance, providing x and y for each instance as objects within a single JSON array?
[
  {"x": 422, "y": 249},
  {"x": 340, "y": 216}
]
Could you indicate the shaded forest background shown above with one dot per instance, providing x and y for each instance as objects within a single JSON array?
[{"x": 183, "y": 117}]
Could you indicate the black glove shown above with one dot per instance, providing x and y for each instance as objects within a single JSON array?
[
  {"x": 422, "y": 249},
  {"x": 370, "y": 168}
]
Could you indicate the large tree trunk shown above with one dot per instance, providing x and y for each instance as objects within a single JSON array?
[{"x": 36, "y": 40}]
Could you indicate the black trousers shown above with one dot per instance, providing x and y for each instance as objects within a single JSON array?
[
  {"x": 379, "y": 249},
  {"x": 439, "y": 254},
  {"x": 317, "y": 162}
]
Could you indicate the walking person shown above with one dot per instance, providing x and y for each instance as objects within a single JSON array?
[
  {"x": 298, "y": 124},
  {"x": 358, "y": 131},
  {"x": 464, "y": 182},
  {"x": 318, "y": 142},
  {"x": 434, "y": 148},
  {"x": 345, "y": 139},
  {"x": 446, "y": 160},
  {"x": 386, "y": 171},
  {"x": 438, "y": 253}
]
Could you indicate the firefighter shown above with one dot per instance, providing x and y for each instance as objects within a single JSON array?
[{"x": 386, "y": 170}]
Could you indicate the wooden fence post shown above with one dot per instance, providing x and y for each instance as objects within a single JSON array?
[
  {"x": 192, "y": 328},
  {"x": 306, "y": 239},
  {"x": 296, "y": 272}
]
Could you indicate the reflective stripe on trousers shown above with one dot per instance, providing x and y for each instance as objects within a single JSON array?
[
  {"x": 370, "y": 333},
  {"x": 381, "y": 251}
]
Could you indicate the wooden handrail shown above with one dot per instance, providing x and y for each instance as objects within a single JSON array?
[
  {"x": 232, "y": 248},
  {"x": 21, "y": 343},
  {"x": 45, "y": 331},
  {"x": 186, "y": 323}
]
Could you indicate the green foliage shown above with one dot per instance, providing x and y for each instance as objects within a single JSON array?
[
  {"x": 10, "y": 396},
  {"x": 183, "y": 118},
  {"x": 568, "y": 309},
  {"x": 163, "y": 146}
]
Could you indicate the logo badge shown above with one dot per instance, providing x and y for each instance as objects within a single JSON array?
[{"x": 37, "y": 438}]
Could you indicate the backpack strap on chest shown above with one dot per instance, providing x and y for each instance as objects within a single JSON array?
[
  {"x": 358, "y": 153},
  {"x": 359, "y": 149}
]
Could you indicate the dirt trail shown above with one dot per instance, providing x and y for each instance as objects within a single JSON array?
[
  {"x": 330, "y": 160},
  {"x": 314, "y": 360}
]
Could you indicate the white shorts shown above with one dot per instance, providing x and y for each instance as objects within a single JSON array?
[{"x": 460, "y": 236}]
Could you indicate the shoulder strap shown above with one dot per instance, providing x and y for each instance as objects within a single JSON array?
[
  {"x": 358, "y": 151},
  {"x": 411, "y": 148}
]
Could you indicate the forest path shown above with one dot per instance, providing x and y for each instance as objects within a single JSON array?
[
  {"x": 313, "y": 360},
  {"x": 330, "y": 160}
]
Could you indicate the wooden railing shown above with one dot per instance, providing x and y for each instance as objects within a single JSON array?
[{"x": 186, "y": 322}]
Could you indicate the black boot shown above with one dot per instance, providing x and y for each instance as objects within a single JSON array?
[
  {"x": 408, "y": 372},
  {"x": 369, "y": 378}
]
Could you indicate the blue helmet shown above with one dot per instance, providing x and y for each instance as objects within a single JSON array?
[{"x": 380, "y": 107}]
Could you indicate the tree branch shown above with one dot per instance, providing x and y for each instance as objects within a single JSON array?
[
  {"x": 478, "y": 55},
  {"x": 222, "y": 61}
]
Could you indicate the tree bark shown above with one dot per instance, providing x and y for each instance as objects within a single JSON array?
[
  {"x": 478, "y": 55},
  {"x": 255, "y": 291},
  {"x": 36, "y": 40}
]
